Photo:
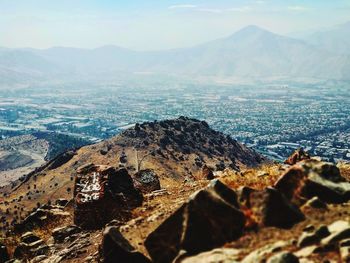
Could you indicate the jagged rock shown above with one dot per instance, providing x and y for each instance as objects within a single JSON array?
[
  {"x": 344, "y": 249},
  {"x": 307, "y": 251},
  {"x": 115, "y": 248},
  {"x": 30, "y": 246},
  {"x": 39, "y": 217},
  {"x": 103, "y": 193},
  {"x": 307, "y": 239},
  {"x": 60, "y": 233},
  {"x": 207, "y": 173},
  {"x": 38, "y": 259},
  {"x": 207, "y": 220},
  {"x": 146, "y": 181},
  {"x": 29, "y": 238},
  {"x": 283, "y": 257},
  {"x": 315, "y": 202},
  {"x": 270, "y": 208},
  {"x": 222, "y": 255},
  {"x": 279, "y": 212},
  {"x": 4, "y": 256},
  {"x": 312, "y": 178},
  {"x": 261, "y": 254},
  {"x": 297, "y": 156},
  {"x": 62, "y": 202},
  {"x": 339, "y": 230}
]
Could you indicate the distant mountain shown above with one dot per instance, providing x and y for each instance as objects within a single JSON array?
[
  {"x": 336, "y": 39},
  {"x": 251, "y": 53}
]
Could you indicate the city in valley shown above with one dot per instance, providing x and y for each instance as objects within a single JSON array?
[{"x": 273, "y": 119}]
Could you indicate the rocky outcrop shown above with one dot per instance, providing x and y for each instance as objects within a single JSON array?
[
  {"x": 103, "y": 193},
  {"x": 30, "y": 246},
  {"x": 39, "y": 217},
  {"x": 59, "y": 234},
  {"x": 209, "y": 219},
  {"x": 115, "y": 248},
  {"x": 297, "y": 156},
  {"x": 146, "y": 181},
  {"x": 312, "y": 178}
]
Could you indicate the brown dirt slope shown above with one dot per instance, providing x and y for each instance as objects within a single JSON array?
[{"x": 177, "y": 149}]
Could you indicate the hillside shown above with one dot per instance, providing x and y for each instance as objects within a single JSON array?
[
  {"x": 252, "y": 52},
  {"x": 178, "y": 191},
  {"x": 20, "y": 155},
  {"x": 177, "y": 149}
]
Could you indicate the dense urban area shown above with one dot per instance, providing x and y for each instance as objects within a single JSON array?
[{"x": 273, "y": 119}]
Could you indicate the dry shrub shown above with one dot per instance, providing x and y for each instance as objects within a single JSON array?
[
  {"x": 344, "y": 168},
  {"x": 258, "y": 178}
]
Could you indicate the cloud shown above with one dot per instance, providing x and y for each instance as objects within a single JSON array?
[
  {"x": 211, "y": 10},
  {"x": 181, "y": 6},
  {"x": 240, "y": 9},
  {"x": 297, "y": 8}
]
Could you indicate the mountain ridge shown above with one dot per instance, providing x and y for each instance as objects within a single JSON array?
[{"x": 251, "y": 52}]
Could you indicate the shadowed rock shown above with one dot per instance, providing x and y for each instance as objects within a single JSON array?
[
  {"x": 312, "y": 178},
  {"x": 115, "y": 248},
  {"x": 270, "y": 208},
  {"x": 207, "y": 220}
]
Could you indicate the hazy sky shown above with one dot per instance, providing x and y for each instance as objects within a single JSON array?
[{"x": 155, "y": 24}]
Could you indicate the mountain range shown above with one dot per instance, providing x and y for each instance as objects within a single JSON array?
[{"x": 250, "y": 53}]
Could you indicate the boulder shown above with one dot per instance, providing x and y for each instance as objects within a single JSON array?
[
  {"x": 315, "y": 202},
  {"x": 222, "y": 255},
  {"x": 146, "y": 181},
  {"x": 61, "y": 202},
  {"x": 40, "y": 217},
  {"x": 309, "y": 238},
  {"x": 101, "y": 194},
  {"x": 59, "y": 234},
  {"x": 4, "y": 256},
  {"x": 283, "y": 257},
  {"x": 339, "y": 230},
  {"x": 115, "y": 248},
  {"x": 270, "y": 208},
  {"x": 297, "y": 156},
  {"x": 344, "y": 249},
  {"x": 207, "y": 173},
  {"x": 30, "y": 246},
  {"x": 209, "y": 219},
  {"x": 261, "y": 254},
  {"x": 311, "y": 178}
]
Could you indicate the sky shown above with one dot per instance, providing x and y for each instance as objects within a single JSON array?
[{"x": 155, "y": 24}]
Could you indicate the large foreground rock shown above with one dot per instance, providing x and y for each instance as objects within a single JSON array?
[
  {"x": 312, "y": 178},
  {"x": 270, "y": 208},
  {"x": 209, "y": 219},
  {"x": 115, "y": 248},
  {"x": 103, "y": 193}
]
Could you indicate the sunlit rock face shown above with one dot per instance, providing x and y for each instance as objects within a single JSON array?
[{"x": 103, "y": 193}]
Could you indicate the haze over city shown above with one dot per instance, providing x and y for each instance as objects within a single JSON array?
[{"x": 155, "y": 25}]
